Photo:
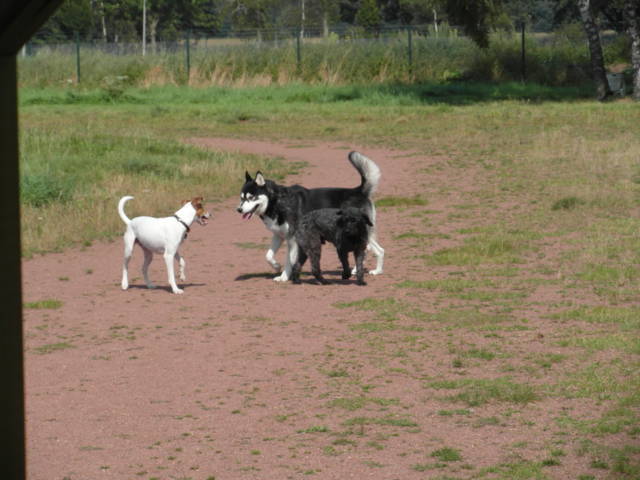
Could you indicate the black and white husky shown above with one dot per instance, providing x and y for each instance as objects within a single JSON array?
[{"x": 279, "y": 208}]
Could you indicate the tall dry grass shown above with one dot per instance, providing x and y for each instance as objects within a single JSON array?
[{"x": 551, "y": 60}]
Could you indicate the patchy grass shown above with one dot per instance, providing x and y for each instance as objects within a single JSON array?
[
  {"x": 391, "y": 421},
  {"x": 50, "y": 304},
  {"x": 393, "y": 201},
  {"x": 493, "y": 247},
  {"x": 447, "y": 454},
  {"x": 567, "y": 203},
  {"x": 52, "y": 347},
  {"x": 356, "y": 403},
  {"x": 475, "y": 392}
]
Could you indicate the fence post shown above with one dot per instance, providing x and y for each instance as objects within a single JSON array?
[
  {"x": 410, "y": 50},
  {"x": 523, "y": 59},
  {"x": 77, "y": 35},
  {"x": 187, "y": 43},
  {"x": 298, "y": 52}
]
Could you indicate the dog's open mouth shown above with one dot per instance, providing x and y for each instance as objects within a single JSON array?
[
  {"x": 248, "y": 215},
  {"x": 203, "y": 219}
]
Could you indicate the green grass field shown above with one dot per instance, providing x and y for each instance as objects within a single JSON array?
[
  {"x": 566, "y": 158},
  {"x": 567, "y": 167}
]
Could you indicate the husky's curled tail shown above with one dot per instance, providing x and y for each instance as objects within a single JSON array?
[
  {"x": 370, "y": 178},
  {"x": 368, "y": 170}
]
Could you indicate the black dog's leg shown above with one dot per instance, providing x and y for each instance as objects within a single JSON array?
[
  {"x": 359, "y": 254},
  {"x": 295, "y": 272},
  {"x": 314, "y": 257},
  {"x": 343, "y": 255}
]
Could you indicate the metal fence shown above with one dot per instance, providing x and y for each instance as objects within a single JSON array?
[
  {"x": 192, "y": 43},
  {"x": 407, "y": 49}
]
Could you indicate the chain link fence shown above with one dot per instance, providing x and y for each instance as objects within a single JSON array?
[{"x": 342, "y": 54}]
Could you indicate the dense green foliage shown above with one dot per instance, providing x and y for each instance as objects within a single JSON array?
[{"x": 121, "y": 20}]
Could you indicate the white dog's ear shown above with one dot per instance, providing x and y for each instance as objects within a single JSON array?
[{"x": 260, "y": 181}]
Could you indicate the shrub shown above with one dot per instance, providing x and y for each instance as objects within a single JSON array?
[{"x": 39, "y": 190}]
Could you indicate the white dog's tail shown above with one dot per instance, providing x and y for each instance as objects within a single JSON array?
[
  {"x": 121, "y": 203},
  {"x": 368, "y": 170}
]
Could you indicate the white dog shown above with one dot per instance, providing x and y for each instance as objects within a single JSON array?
[{"x": 160, "y": 235}]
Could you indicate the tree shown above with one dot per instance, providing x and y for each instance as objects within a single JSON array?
[
  {"x": 475, "y": 17},
  {"x": 416, "y": 11},
  {"x": 328, "y": 10},
  {"x": 369, "y": 16},
  {"x": 632, "y": 17},
  {"x": 253, "y": 14},
  {"x": 623, "y": 16},
  {"x": 537, "y": 13},
  {"x": 73, "y": 17},
  {"x": 598, "y": 71}
]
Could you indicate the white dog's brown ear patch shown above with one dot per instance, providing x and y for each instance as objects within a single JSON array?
[
  {"x": 260, "y": 181},
  {"x": 197, "y": 203}
]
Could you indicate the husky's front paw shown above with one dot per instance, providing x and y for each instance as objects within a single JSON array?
[
  {"x": 377, "y": 271},
  {"x": 283, "y": 277}
]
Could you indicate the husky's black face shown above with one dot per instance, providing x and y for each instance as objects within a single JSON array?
[{"x": 253, "y": 196}]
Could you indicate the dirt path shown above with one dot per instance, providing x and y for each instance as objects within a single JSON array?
[{"x": 242, "y": 377}]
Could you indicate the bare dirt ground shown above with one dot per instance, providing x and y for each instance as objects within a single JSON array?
[{"x": 242, "y": 377}]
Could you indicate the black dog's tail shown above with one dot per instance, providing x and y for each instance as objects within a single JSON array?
[{"x": 368, "y": 170}]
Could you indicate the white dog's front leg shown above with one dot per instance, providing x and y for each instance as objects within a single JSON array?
[
  {"x": 168, "y": 259},
  {"x": 290, "y": 259},
  {"x": 276, "y": 241}
]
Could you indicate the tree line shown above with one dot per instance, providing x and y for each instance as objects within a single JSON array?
[{"x": 122, "y": 20}]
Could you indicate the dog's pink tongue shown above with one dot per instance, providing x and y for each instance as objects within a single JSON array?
[{"x": 247, "y": 215}]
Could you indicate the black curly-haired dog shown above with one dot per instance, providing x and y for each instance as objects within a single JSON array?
[{"x": 346, "y": 228}]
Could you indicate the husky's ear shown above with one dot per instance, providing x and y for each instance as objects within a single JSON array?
[
  {"x": 247, "y": 177},
  {"x": 260, "y": 181}
]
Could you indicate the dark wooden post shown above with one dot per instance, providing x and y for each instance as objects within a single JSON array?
[
  {"x": 12, "y": 463},
  {"x": 19, "y": 19}
]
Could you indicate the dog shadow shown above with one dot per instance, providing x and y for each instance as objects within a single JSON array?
[
  {"x": 249, "y": 276},
  {"x": 307, "y": 278},
  {"x": 165, "y": 288}
]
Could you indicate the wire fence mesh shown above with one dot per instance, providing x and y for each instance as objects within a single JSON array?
[{"x": 340, "y": 54}]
